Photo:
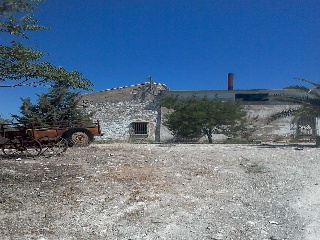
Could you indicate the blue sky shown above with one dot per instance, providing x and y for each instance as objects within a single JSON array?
[{"x": 185, "y": 44}]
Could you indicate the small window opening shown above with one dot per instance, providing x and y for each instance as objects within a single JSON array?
[
  {"x": 252, "y": 97},
  {"x": 306, "y": 126},
  {"x": 140, "y": 128}
]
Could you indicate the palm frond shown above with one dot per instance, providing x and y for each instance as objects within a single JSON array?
[
  {"x": 317, "y": 85},
  {"x": 308, "y": 100},
  {"x": 283, "y": 114},
  {"x": 313, "y": 91}
]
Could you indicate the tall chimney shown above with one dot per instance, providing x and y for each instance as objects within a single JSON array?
[{"x": 230, "y": 81}]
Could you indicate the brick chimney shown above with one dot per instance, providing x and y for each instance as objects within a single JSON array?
[{"x": 230, "y": 81}]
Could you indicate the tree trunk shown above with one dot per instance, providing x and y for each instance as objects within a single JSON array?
[{"x": 209, "y": 135}]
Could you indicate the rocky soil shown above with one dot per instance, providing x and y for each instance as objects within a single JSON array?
[{"x": 160, "y": 191}]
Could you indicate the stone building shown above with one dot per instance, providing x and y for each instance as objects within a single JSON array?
[
  {"x": 134, "y": 112},
  {"x": 128, "y": 112}
]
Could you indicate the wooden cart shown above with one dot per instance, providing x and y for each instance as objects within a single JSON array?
[{"x": 35, "y": 138}]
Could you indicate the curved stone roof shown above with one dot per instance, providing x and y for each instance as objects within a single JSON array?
[{"x": 140, "y": 91}]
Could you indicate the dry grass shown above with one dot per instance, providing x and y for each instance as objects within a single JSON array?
[{"x": 141, "y": 191}]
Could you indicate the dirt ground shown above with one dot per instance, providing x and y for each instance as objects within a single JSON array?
[{"x": 163, "y": 191}]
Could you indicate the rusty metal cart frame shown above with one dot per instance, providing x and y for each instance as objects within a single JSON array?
[
  {"x": 35, "y": 138},
  {"x": 30, "y": 140}
]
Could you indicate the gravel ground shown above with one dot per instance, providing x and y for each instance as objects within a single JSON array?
[{"x": 160, "y": 191}]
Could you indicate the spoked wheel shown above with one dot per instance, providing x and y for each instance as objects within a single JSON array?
[{"x": 27, "y": 148}]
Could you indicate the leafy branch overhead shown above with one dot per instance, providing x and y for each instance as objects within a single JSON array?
[
  {"x": 21, "y": 65},
  {"x": 308, "y": 100},
  {"x": 16, "y": 17}
]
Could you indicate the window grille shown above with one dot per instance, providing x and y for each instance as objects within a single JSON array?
[{"x": 140, "y": 128}]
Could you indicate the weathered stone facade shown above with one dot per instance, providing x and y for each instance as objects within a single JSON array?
[
  {"x": 119, "y": 109},
  {"x": 134, "y": 111}
]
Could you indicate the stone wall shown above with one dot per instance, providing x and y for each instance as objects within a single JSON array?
[
  {"x": 118, "y": 108},
  {"x": 116, "y": 118},
  {"x": 278, "y": 129}
]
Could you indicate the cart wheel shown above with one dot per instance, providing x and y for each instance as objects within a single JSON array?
[
  {"x": 11, "y": 148},
  {"x": 31, "y": 148},
  {"x": 78, "y": 137},
  {"x": 59, "y": 147}
]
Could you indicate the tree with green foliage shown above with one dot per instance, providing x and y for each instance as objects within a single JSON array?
[
  {"x": 192, "y": 117},
  {"x": 21, "y": 65},
  {"x": 308, "y": 100},
  {"x": 58, "y": 104}
]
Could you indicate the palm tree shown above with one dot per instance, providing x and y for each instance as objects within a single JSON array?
[{"x": 308, "y": 100}]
